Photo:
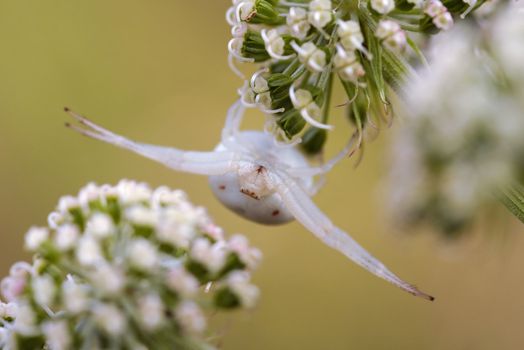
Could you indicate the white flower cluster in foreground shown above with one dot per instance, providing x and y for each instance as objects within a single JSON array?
[
  {"x": 463, "y": 138},
  {"x": 124, "y": 267}
]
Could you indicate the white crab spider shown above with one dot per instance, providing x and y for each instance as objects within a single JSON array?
[{"x": 258, "y": 179}]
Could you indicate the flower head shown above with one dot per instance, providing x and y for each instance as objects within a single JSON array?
[
  {"x": 116, "y": 258},
  {"x": 308, "y": 45},
  {"x": 462, "y": 141}
]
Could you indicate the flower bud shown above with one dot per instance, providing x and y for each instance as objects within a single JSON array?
[
  {"x": 391, "y": 35},
  {"x": 298, "y": 23},
  {"x": 383, "y": 6}
]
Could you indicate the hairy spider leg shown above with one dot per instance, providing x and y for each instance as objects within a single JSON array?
[
  {"x": 310, "y": 216},
  {"x": 202, "y": 163}
]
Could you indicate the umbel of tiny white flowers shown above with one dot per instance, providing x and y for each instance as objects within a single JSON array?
[
  {"x": 462, "y": 140},
  {"x": 259, "y": 179},
  {"x": 306, "y": 45},
  {"x": 124, "y": 267}
]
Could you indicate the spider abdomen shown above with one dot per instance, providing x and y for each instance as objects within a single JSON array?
[{"x": 268, "y": 209}]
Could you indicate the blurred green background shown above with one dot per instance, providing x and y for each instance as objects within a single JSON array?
[{"x": 156, "y": 71}]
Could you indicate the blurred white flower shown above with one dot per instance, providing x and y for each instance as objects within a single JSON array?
[
  {"x": 298, "y": 23},
  {"x": 8, "y": 310},
  {"x": 35, "y": 237},
  {"x": 75, "y": 296},
  {"x": 88, "y": 251},
  {"x": 440, "y": 14},
  {"x": 131, "y": 192},
  {"x": 507, "y": 36},
  {"x": 110, "y": 319},
  {"x": 107, "y": 278},
  {"x": 89, "y": 193},
  {"x": 275, "y": 44},
  {"x": 163, "y": 196},
  {"x": 239, "y": 284},
  {"x": 213, "y": 231},
  {"x": 151, "y": 310},
  {"x": 66, "y": 203},
  {"x": 14, "y": 285},
  {"x": 391, "y": 35},
  {"x": 54, "y": 219},
  {"x": 66, "y": 236},
  {"x": 302, "y": 101},
  {"x": 25, "y": 321},
  {"x": 44, "y": 289},
  {"x": 320, "y": 13},
  {"x": 250, "y": 256},
  {"x": 348, "y": 66},
  {"x": 181, "y": 281},
  {"x": 57, "y": 334},
  {"x": 311, "y": 56},
  {"x": 142, "y": 254},
  {"x": 463, "y": 134},
  {"x": 140, "y": 215},
  {"x": 175, "y": 230},
  {"x": 190, "y": 317},
  {"x": 100, "y": 225},
  {"x": 350, "y": 36},
  {"x": 383, "y": 6},
  {"x": 211, "y": 256}
]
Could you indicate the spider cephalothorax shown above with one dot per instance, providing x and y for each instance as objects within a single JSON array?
[{"x": 259, "y": 179}]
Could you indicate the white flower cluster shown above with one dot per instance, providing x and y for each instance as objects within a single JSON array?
[
  {"x": 301, "y": 44},
  {"x": 463, "y": 137},
  {"x": 124, "y": 267}
]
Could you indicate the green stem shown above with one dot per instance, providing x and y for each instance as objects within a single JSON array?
[
  {"x": 513, "y": 200},
  {"x": 327, "y": 103}
]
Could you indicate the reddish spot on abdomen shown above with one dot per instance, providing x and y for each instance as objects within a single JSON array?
[
  {"x": 275, "y": 212},
  {"x": 222, "y": 187}
]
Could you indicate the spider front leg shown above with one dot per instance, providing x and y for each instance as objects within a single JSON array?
[
  {"x": 231, "y": 128},
  {"x": 323, "y": 169},
  {"x": 308, "y": 214},
  {"x": 203, "y": 163},
  {"x": 327, "y": 166}
]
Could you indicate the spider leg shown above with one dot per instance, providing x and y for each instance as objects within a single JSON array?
[
  {"x": 327, "y": 166},
  {"x": 203, "y": 163},
  {"x": 316, "y": 186},
  {"x": 234, "y": 117},
  {"x": 229, "y": 136},
  {"x": 309, "y": 215}
]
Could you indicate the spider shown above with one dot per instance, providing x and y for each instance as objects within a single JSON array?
[{"x": 259, "y": 179}]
